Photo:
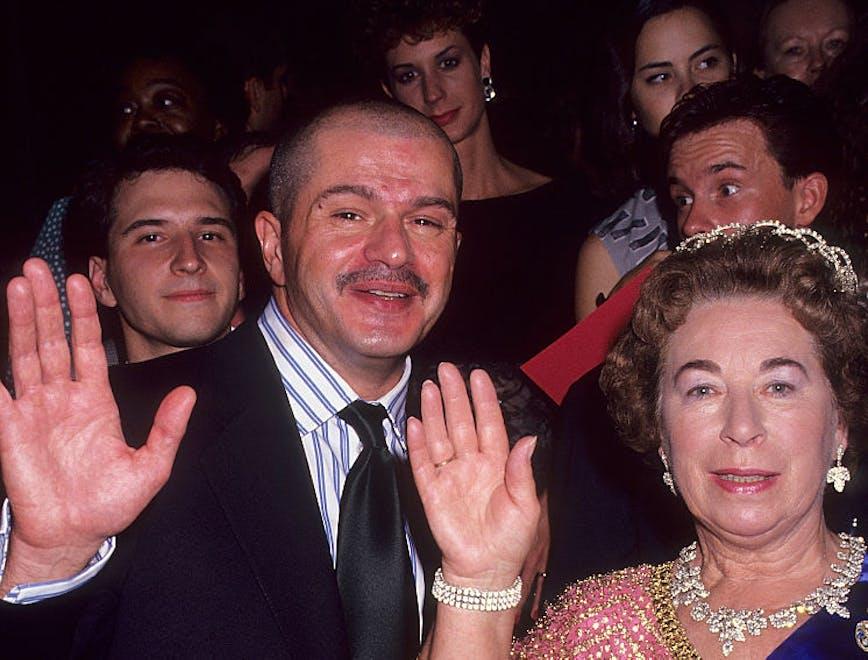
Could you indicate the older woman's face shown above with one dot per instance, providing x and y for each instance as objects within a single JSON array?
[
  {"x": 750, "y": 424},
  {"x": 674, "y": 53},
  {"x": 803, "y": 37},
  {"x": 440, "y": 77}
]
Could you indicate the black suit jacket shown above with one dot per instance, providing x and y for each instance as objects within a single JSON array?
[{"x": 230, "y": 559}]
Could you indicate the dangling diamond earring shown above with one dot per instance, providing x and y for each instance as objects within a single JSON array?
[
  {"x": 488, "y": 92},
  {"x": 838, "y": 475},
  {"x": 667, "y": 475}
]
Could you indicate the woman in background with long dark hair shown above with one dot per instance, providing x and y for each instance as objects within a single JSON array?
[{"x": 663, "y": 50}]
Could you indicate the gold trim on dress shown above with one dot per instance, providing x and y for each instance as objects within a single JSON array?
[{"x": 671, "y": 630}]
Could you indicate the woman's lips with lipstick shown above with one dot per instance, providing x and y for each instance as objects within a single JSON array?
[
  {"x": 444, "y": 118},
  {"x": 740, "y": 480}
]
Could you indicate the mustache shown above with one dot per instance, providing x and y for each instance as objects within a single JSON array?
[{"x": 404, "y": 275}]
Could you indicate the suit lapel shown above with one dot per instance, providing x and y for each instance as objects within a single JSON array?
[{"x": 259, "y": 475}]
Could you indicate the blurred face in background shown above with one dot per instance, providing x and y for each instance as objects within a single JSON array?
[
  {"x": 161, "y": 96},
  {"x": 803, "y": 37},
  {"x": 440, "y": 77},
  {"x": 675, "y": 52}
]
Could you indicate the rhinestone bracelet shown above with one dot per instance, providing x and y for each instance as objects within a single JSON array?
[{"x": 471, "y": 598}]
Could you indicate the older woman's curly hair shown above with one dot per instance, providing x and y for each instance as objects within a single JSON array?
[
  {"x": 386, "y": 22},
  {"x": 754, "y": 263}
]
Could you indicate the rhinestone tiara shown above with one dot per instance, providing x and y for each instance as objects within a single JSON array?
[{"x": 837, "y": 259}]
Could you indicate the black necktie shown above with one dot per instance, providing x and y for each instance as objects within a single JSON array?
[{"x": 373, "y": 567}]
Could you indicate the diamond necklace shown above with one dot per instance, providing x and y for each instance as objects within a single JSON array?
[{"x": 731, "y": 625}]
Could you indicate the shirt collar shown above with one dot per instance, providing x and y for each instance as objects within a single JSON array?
[{"x": 316, "y": 392}]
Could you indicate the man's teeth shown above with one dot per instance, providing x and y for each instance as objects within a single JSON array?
[
  {"x": 387, "y": 294},
  {"x": 743, "y": 479}
]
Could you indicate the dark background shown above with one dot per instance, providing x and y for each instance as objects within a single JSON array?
[{"x": 58, "y": 59}]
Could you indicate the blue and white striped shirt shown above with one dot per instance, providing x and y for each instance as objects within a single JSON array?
[{"x": 316, "y": 393}]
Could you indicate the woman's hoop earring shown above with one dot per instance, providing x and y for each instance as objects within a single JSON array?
[{"x": 488, "y": 92}]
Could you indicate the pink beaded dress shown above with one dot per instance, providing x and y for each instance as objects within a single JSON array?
[{"x": 625, "y": 614}]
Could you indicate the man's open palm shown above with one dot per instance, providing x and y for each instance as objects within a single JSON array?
[{"x": 70, "y": 477}]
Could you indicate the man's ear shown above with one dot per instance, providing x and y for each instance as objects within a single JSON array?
[
  {"x": 97, "y": 272},
  {"x": 810, "y": 197},
  {"x": 268, "y": 231},
  {"x": 485, "y": 62}
]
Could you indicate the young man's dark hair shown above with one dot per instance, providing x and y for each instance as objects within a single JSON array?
[
  {"x": 92, "y": 212},
  {"x": 796, "y": 124}
]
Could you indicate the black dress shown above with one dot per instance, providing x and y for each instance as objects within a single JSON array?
[{"x": 513, "y": 288}]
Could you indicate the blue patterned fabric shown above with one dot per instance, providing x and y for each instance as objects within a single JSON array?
[{"x": 49, "y": 246}]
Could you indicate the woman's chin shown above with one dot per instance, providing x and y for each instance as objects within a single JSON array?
[{"x": 750, "y": 526}]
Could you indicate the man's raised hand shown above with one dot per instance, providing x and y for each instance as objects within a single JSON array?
[{"x": 69, "y": 475}]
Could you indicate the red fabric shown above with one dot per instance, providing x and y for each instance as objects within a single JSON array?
[{"x": 584, "y": 347}]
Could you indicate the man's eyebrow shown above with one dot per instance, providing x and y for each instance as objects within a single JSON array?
[
  {"x": 442, "y": 202},
  {"x": 164, "y": 81},
  {"x": 701, "y": 365},
  {"x": 369, "y": 194},
  {"x": 144, "y": 222},
  {"x": 777, "y": 362},
  {"x": 725, "y": 165},
  {"x": 217, "y": 220},
  {"x": 345, "y": 189},
  {"x": 715, "y": 168},
  {"x": 205, "y": 220}
]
